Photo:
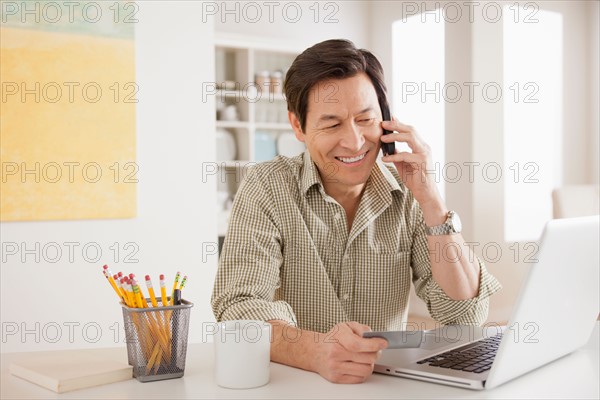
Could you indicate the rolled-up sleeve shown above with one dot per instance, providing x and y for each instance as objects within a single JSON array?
[
  {"x": 441, "y": 307},
  {"x": 248, "y": 273}
]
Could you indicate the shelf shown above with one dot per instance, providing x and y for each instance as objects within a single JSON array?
[{"x": 240, "y": 60}]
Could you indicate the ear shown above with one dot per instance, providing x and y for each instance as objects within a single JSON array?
[{"x": 295, "y": 122}]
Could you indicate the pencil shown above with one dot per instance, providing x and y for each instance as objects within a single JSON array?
[
  {"x": 130, "y": 295},
  {"x": 116, "y": 279},
  {"x": 163, "y": 291},
  {"x": 108, "y": 276},
  {"x": 151, "y": 291},
  {"x": 175, "y": 286},
  {"x": 136, "y": 293}
]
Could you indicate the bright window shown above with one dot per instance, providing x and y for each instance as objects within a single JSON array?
[
  {"x": 418, "y": 92},
  {"x": 532, "y": 120}
]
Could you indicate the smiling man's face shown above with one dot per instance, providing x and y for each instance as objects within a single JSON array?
[{"x": 342, "y": 131}]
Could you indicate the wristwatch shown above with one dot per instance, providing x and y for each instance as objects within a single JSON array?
[{"x": 452, "y": 225}]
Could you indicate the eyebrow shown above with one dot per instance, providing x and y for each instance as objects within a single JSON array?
[{"x": 329, "y": 117}]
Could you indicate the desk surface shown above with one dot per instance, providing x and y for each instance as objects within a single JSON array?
[{"x": 576, "y": 375}]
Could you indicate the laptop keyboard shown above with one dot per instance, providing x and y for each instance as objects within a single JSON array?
[{"x": 474, "y": 357}]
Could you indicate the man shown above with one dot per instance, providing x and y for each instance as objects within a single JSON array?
[{"x": 324, "y": 245}]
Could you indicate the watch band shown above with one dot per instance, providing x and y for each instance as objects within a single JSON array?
[{"x": 447, "y": 228}]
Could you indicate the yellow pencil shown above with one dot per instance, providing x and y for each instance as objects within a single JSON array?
[
  {"x": 151, "y": 291},
  {"x": 175, "y": 287},
  {"x": 129, "y": 291},
  {"x": 124, "y": 290},
  {"x": 136, "y": 293},
  {"x": 108, "y": 275},
  {"x": 121, "y": 292},
  {"x": 163, "y": 291}
]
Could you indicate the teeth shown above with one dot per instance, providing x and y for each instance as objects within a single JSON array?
[{"x": 351, "y": 160}]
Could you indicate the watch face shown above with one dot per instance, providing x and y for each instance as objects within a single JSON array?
[{"x": 456, "y": 224}]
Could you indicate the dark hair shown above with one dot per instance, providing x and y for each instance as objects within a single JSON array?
[{"x": 331, "y": 59}]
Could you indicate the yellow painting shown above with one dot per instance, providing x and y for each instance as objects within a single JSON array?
[{"x": 67, "y": 115}]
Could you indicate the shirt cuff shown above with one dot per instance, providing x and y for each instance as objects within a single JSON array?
[
  {"x": 260, "y": 310},
  {"x": 472, "y": 311}
]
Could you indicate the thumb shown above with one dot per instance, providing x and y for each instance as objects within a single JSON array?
[{"x": 358, "y": 328}]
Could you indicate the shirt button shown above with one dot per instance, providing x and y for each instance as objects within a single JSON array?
[{"x": 346, "y": 296}]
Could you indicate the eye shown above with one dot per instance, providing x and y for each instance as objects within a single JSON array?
[
  {"x": 333, "y": 126},
  {"x": 366, "y": 121}
]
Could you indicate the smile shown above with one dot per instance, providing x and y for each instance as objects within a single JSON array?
[{"x": 350, "y": 160}]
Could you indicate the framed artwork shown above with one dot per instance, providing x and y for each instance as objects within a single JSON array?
[{"x": 68, "y": 110}]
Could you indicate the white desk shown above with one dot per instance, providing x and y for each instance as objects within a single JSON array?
[{"x": 576, "y": 375}]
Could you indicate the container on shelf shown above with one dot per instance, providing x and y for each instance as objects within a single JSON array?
[
  {"x": 265, "y": 147},
  {"x": 262, "y": 80},
  {"x": 276, "y": 86},
  {"x": 228, "y": 113}
]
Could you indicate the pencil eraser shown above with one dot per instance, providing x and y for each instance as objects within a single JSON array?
[
  {"x": 105, "y": 267},
  {"x": 120, "y": 274},
  {"x": 116, "y": 277},
  {"x": 131, "y": 275},
  {"x": 147, "y": 277},
  {"x": 162, "y": 276}
]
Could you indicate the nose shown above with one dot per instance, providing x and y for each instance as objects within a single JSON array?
[{"x": 352, "y": 139}]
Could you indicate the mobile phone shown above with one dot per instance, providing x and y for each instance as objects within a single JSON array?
[{"x": 387, "y": 148}]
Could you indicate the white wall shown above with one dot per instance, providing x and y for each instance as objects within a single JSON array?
[
  {"x": 577, "y": 89},
  {"x": 593, "y": 51},
  {"x": 333, "y": 20},
  {"x": 176, "y": 209}
]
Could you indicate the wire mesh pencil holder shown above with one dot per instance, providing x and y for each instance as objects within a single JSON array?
[{"x": 157, "y": 340}]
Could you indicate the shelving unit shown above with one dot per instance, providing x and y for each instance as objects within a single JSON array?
[{"x": 261, "y": 115}]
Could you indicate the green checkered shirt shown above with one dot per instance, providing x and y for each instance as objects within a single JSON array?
[{"x": 288, "y": 254}]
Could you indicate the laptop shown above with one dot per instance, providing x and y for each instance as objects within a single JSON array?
[{"x": 554, "y": 314}]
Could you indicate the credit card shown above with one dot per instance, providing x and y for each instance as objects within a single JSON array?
[{"x": 399, "y": 339}]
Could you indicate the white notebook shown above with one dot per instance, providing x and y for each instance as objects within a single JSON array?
[{"x": 63, "y": 372}]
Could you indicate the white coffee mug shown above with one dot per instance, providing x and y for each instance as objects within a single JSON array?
[{"x": 242, "y": 354}]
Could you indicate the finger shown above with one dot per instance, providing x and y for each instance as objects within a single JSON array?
[
  {"x": 405, "y": 156},
  {"x": 356, "y": 369},
  {"x": 349, "y": 379},
  {"x": 364, "y": 358},
  {"x": 411, "y": 138},
  {"x": 357, "y": 344},
  {"x": 358, "y": 328},
  {"x": 395, "y": 125}
]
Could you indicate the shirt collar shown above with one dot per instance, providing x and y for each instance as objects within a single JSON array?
[
  {"x": 381, "y": 176},
  {"x": 384, "y": 178},
  {"x": 310, "y": 174}
]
